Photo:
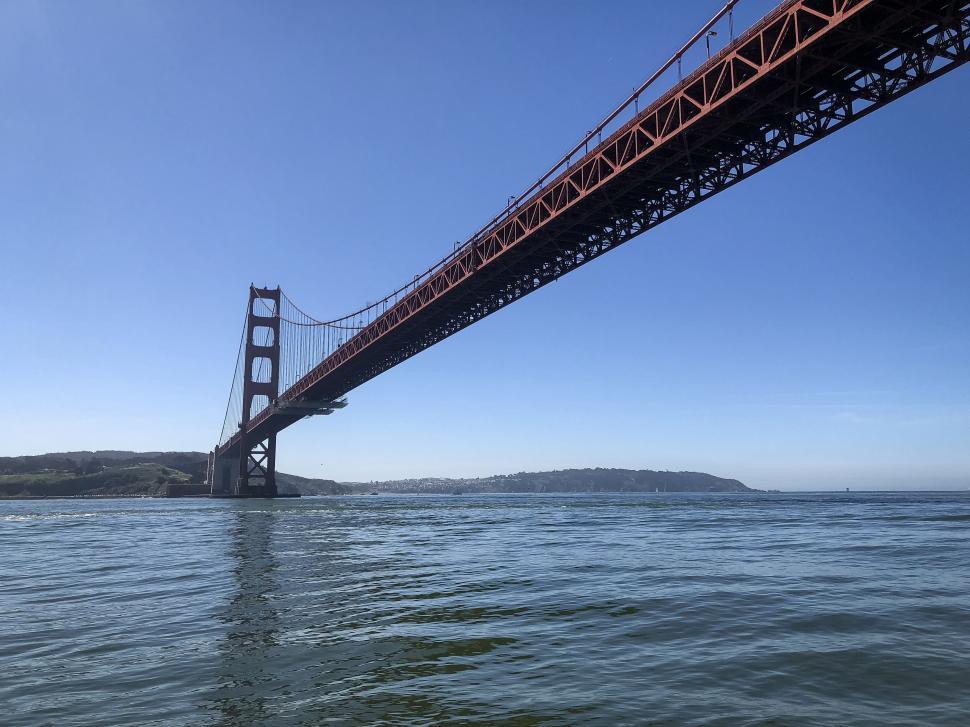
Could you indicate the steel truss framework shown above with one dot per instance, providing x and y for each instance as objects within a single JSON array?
[{"x": 806, "y": 70}]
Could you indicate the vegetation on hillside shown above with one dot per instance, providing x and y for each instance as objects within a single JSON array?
[
  {"x": 88, "y": 462},
  {"x": 147, "y": 479},
  {"x": 574, "y": 480},
  {"x": 109, "y": 472}
]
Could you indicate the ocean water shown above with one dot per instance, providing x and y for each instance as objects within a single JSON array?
[{"x": 791, "y": 609}]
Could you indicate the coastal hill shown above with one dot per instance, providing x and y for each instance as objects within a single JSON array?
[
  {"x": 109, "y": 473},
  {"x": 105, "y": 472},
  {"x": 121, "y": 473},
  {"x": 575, "y": 480}
]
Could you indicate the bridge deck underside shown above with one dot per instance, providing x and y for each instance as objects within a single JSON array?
[{"x": 822, "y": 65}]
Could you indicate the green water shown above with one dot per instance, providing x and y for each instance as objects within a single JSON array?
[{"x": 831, "y": 609}]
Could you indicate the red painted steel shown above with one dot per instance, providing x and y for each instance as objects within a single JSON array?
[
  {"x": 257, "y": 453},
  {"x": 805, "y": 70}
]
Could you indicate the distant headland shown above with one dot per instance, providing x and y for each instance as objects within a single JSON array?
[{"x": 114, "y": 473}]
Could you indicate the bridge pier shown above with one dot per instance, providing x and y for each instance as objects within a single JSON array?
[
  {"x": 257, "y": 468},
  {"x": 251, "y": 473},
  {"x": 222, "y": 475}
]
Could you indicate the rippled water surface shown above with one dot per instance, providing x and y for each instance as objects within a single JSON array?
[{"x": 546, "y": 609}]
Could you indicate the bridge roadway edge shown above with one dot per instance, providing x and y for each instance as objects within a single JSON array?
[{"x": 572, "y": 240}]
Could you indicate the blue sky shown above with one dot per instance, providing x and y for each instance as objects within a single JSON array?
[{"x": 807, "y": 329}]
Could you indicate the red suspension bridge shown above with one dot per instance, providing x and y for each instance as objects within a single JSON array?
[{"x": 804, "y": 71}]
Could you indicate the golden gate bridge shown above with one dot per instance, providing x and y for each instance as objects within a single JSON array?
[{"x": 804, "y": 71}]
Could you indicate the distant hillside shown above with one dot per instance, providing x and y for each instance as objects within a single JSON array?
[
  {"x": 112, "y": 472},
  {"x": 115, "y": 472},
  {"x": 126, "y": 480},
  {"x": 104, "y": 472},
  {"x": 86, "y": 462},
  {"x": 304, "y": 486},
  {"x": 578, "y": 480}
]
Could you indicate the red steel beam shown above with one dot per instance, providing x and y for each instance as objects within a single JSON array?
[
  {"x": 789, "y": 32},
  {"x": 774, "y": 40}
]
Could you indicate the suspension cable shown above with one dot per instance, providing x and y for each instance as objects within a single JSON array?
[{"x": 515, "y": 201}]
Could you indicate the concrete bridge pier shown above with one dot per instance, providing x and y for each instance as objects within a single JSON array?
[
  {"x": 222, "y": 475},
  {"x": 252, "y": 473}
]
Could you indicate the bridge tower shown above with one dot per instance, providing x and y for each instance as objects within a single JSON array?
[
  {"x": 261, "y": 378},
  {"x": 253, "y": 472}
]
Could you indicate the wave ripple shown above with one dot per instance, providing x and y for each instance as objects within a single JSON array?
[{"x": 848, "y": 609}]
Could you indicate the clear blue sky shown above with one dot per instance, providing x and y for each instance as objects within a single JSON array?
[{"x": 809, "y": 328}]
